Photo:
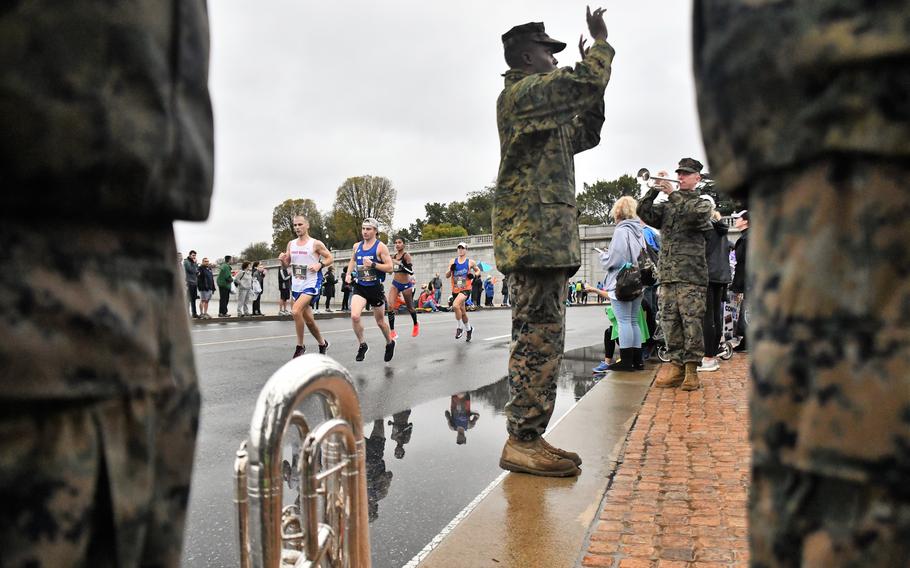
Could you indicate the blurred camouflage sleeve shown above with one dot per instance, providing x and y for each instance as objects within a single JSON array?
[
  {"x": 833, "y": 78},
  {"x": 105, "y": 109}
]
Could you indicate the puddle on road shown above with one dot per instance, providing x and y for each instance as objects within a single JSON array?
[{"x": 427, "y": 463}]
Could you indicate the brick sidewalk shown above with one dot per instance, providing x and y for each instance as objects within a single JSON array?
[{"x": 678, "y": 498}]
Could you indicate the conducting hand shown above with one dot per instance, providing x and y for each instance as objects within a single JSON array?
[
  {"x": 596, "y": 25},
  {"x": 581, "y": 46}
]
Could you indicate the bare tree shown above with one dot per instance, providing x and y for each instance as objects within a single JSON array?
[{"x": 368, "y": 196}]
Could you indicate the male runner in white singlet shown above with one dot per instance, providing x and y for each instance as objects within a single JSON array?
[
  {"x": 367, "y": 269},
  {"x": 306, "y": 257}
]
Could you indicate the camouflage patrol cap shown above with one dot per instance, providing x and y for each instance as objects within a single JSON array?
[
  {"x": 690, "y": 165},
  {"x": 533, "y": 31}
]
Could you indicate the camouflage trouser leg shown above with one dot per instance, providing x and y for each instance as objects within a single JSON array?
[
  {"x": 104, "y": 483},
  {"x": 802, "y": 519},
  {"x": 829, "y": 285},
  {"x": 682, "y": 311},
  {"x": 538, "y": 338}
]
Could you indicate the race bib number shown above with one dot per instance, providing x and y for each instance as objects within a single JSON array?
[
  {"x": 460, "y": 282},
  {"x": 365, "y": 274},
  {"x": 298, "y": 270}
]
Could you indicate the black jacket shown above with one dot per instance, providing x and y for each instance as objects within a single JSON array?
[
  {"x": 717, "y": 253},
  {"x": 739, "y": 277},
  {"x": 206, "y": 281}
]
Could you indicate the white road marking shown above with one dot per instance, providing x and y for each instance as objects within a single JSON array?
[{"x": 498, "y": 337}]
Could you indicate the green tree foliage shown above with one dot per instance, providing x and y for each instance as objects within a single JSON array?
[
  {"x": 595, "y": 200},
  {"x": 283, "y": 222},
  {"x": 343, "y": 229},
  {"x": 722, "y": 201},
  {"x": 367, "y": 196},
  {"x": 474, "y": 215},
  {"x": 413, "y": 232},
  {"x": 442, "y": 231},
  {"x": 257, "y": 251}
]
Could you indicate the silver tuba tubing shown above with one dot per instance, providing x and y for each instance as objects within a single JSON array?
[{"x": 258, "y": 467}]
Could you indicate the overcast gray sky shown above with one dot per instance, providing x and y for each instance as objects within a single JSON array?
[{"x": 307, "y": 94}]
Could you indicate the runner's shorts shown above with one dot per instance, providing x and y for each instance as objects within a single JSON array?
[
  {"x": 372, "y": 294},
  {"x": 402, "y": 286},
  {"x": 308, "y": 291}
]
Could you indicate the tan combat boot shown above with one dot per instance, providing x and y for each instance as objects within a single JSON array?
[
  {"x": 532, "y": 457},
  {"x": 690, "y": 383},
  {"x": 575, "y": 458},
  {"x": 672, "y": 379}
]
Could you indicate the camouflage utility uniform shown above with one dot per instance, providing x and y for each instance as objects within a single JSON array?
[
  {"x": 544, "y": 119},
  {"x": 682, "y": 220},
  {"x": 804, "y": 109},
  {"x": 107, "y": 138}
]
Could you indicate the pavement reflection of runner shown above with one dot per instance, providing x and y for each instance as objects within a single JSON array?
[
  {"x": 367, "y": 269},
  {"x": 306, "y": 257},
  {"x": 459, "y": 269},
  {"x": 378, "y": 477},
  {"x": 460, "y": 417},
  {"x": 403, "y": 284},
  {"x": 401, "y": 431}
]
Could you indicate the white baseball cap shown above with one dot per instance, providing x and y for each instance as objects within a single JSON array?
[{"x": 462, "y": 244}]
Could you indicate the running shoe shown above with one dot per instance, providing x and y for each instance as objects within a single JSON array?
[
  {"x": 393, "y": 334},
  {"x": 712, "y": 366},
  {"x": 470, "y": 332},
  {"x": 362, "y": 351},
  {"x": 416, "y": 331},
  {"x": 458, "y": 333},
  {"x": 324, "y": 347},
  {"x": 301, "y": 349},
  {"x": 602, "y": 368},
  {"x": 389, "y": 350}
]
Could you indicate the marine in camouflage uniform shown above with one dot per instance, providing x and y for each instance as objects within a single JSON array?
[
  {"x": 544, "y": 119},
  {"x": 682, "y": 219},
  {"x": 107, "y": 137},
  {"x": 805, "y": 112}
]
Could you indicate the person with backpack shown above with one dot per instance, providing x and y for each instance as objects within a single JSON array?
[
  {"x": 649, "y": 294},
  {"x": 627, "y": 244}
]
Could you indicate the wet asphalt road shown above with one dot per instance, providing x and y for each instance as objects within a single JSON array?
[{"x": 419, "y": 475}]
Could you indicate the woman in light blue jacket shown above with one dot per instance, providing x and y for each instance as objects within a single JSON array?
[{"x": 628, "y": 242}]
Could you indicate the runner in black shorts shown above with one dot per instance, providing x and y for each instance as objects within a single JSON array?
[{"x": 367, "y": 269}]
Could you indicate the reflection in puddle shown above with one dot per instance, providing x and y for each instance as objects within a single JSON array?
[{"x": 421, "y": 488}]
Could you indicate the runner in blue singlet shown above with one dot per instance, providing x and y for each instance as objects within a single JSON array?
[{"x": 367, "y": 269}]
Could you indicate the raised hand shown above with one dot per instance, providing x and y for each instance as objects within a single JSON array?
[
  {"x": 581, "y": 46},
  {"x": 596, "y": 25}
]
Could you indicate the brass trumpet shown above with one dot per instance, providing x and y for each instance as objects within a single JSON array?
[
  {"x": 645, "y": 177},
  {"x": 328, "y": 525}
]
